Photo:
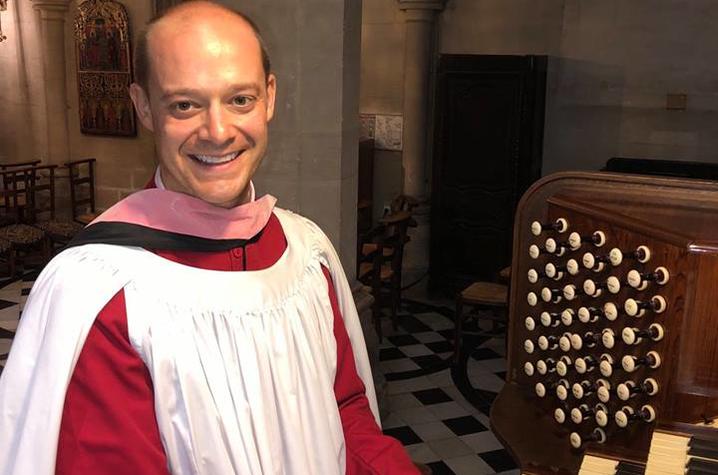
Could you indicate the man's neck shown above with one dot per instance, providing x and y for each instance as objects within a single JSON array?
[{"x": 248, "y": 195}]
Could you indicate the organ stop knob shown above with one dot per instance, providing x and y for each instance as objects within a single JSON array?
[
  {"x": 550, "y": 319},
  {"x": 629, "y": 389},
  {"x": 560, "y": 225},
  {"x": 637, "y": 308},
  {"x": 634, "y": 336},
  {"x": 631, "y": 363},
  {"x": 601, "y": 415},
  {"x": 606, "y": 365},
  {"x": 598, "y": 435},
  {"x": 564, "y": 363},
  {"x": 627, "y": 415},
  {"x": 575, "y": 240},
  {"x": 553, "y": 271},
  {"x": 639, "y": 280},
  {"x": 589, "y": 314}
]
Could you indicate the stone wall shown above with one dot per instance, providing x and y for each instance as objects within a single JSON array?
[{"x": 611, "y": 65}]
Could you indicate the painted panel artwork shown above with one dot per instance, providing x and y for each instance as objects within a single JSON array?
[{"x": 104, "y": 69}]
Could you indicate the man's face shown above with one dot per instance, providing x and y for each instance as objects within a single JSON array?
[{"x": 209, "y": 105}]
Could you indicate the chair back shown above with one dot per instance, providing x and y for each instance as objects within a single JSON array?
[
  {"x": 16, "y": 183},
  {"x": 41, "y": 195},
  {"x": 82, "y": 187}
]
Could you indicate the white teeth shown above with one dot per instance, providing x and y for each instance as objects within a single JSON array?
[{"x": 216, "y": 160}]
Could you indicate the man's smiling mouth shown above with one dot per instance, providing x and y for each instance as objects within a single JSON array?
[{"x": 215, "y": 159}]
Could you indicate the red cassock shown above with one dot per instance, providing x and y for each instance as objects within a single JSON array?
[{"x": 109, "y": 421}]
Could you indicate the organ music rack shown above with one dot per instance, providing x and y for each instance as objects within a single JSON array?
[{"x": 644, "y": 330}]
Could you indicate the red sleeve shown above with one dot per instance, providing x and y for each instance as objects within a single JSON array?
[
  {"x": 368, "y": 450},
  {"x": 108, "y": 424}
]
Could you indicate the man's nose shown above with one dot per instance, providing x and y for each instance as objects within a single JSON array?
[{"x": 217, "y": 127}]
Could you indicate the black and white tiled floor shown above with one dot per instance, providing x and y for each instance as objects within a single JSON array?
[{"x": 440, "y": 414}]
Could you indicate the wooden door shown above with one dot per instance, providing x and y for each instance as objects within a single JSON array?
[{"x": 488, "y": 144}]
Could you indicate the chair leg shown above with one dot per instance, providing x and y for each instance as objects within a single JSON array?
[{"x": 459, "y": 318}]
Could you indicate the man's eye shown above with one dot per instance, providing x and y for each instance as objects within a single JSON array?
[
  {"x": 183, "y": 106},
  {"x": 242, "y": 101}
]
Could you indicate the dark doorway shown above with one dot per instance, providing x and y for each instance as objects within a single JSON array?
[{"x": 488, "y": 145}]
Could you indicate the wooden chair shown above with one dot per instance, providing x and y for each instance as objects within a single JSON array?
[
  {"x": 41, "y": 209},
  {"x": 82, "y": 190},
  {"x": 379, "y": 264},
  {"x": 491, "y": 295},
  {"x": 25, "y": 239}
]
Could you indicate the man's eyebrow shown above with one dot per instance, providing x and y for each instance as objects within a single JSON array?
[{"x": 196, "y": 92}]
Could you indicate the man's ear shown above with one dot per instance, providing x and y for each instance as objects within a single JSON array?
[
  {"x": 271, "y": 94},
  {"x": 142, "y": 105}
]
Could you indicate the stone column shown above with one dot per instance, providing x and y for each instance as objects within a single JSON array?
[
  {"x": 52, "y": 18},
  {"x": 420, "y": 16}
]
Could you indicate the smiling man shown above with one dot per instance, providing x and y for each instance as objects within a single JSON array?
[{"x": 194, "y": 329}]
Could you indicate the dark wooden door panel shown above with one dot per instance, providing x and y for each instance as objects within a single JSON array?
[{"x": 486, "y": 155}]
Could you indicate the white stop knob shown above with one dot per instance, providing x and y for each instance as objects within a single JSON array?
[
  {"x": 656, "y": 359},
  {"x": 623, "y": 391},
  {"x": 577, "y": 391},
  {"x": 629, "y": 336},
  {"x": 631, "y": 307},
  {"x": 541, "y": 367},
  {"x": 540, "y": 389},
  {"x": 575, "y": 440},
  {"x": 559, "y": 415},
  {"x": 536, "y": 228},
  {"x": 546, "y": 319},
  {"x": 599, "y": 238},
  {"x": 663, "y": 275},
  {"x": 659, "y": 304},
  {"x": 588, "y": 260},
  {"x": 584, "y": 315},
  {"x": 613, "y": 284},
  {"x": 572, "y": 266},
  {"x": 574, "y": 240},
  {"x": 528, "y": 369},
  {"x": 580, "y": 366},
  {"x": 532, "y": 299},
  {"x": 546, "y": 294},
  {"x": 615, "y": 256},
  {"x": 653, "y": 386},
  {"x": 533, "y": 276},
  {"x": 608, "y": 338},
  {"x": 604, "y": 394},
  {"x": 562, "y": 392},
  {"x": 529, "y": 346},
  {"x": 628, "y": 363},
  {"x": 650, "y": 413},
  {"x": 635, "y": 280},
  {"x": 610, "y": 311},
  {"x": 602, "y": 418},
  {"x": 564, "y": 343},
  {"x": 576, "y": 415},
  {"x": 550, "y": 245},
  {"x": 606, "y": 368},
  {"x": 646, "y": 254},
  {"x": 550, "y": 270},
  {"x": 621, "y": 417},
  {"x": 567, "y": 317},
  {"x": 589, "y": 286},
  {"x": 530, "y": 324},
  {"x": 576, "y": 341},
  {"x": 562, "y": 368},
  {"x": 561, "y": 225},
  {"x": 543, "y": 343},
  {"x": 569, "y": 292},
  {"x": 534, "y": 251}
]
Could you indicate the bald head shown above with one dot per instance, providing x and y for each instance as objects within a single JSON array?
[{"x": 195, "y": 14}]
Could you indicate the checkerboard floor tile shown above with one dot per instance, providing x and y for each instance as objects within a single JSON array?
[{"x": 438, "y": 413}]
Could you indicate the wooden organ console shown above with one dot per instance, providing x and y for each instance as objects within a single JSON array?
[{"x": 613, "y": 327}]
